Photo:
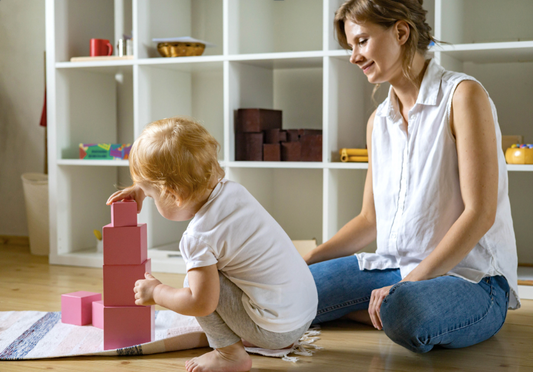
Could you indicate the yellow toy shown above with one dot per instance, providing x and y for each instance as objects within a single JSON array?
[
  {"x": 519, "y": 154},
  {"x": 357, "y": 155}
]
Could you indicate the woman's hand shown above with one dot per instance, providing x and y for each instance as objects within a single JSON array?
[
  {"x": 129, "y": 193},
  {"x": 374, "y": 307},
  {"x": 144, "y": 290}
]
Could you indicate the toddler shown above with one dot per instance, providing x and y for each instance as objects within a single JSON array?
[{"x": 245, "y": 279}]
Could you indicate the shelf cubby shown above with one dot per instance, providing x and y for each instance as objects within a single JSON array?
[
  {"x": 292, "y": 196},
  {"x": 97, "y": 107},
  {"x": 485, "y": 21},
  {"x": 79, "y": 21},
  {"x": 200, "y": 19},
  {"x": 293, "y": 85},
  {"x": 183, "y": 89},
  {"x": 345, "y": 190},
  {"x": 76, "y": 220},
  {"x": 266, "y": 26}
]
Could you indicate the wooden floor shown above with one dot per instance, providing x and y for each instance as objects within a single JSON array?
[{"x": 29, "y": 283}]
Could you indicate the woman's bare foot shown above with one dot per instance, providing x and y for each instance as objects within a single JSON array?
[{"x": 225, "y": 359}]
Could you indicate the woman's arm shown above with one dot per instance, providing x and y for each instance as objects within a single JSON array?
[
  {"x": 361, "y": 230},
  {"x": 473, "y": 127},
  {"x": 200, "y": 299}
]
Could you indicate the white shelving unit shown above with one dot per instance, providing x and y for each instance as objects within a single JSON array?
[{"x": 268, "y": 54}]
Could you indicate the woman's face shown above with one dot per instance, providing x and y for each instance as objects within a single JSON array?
[{"x": 376, "y": 50}]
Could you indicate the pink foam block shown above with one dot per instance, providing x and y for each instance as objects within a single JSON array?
[
  {"x": 124, "y": 213},
  {"x": 119, "y": 281},
  {"x": 76, "y": 307},
  {"x": 98, "y": 314},
  {"x": 125, "y": 245},
  {"x": 128, "y": 326}
]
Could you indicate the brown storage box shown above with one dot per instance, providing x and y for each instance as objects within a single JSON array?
[
  {"x": 291, "y": 151},
  {"x": 271, "y": 152},
  {"x": 292, "y": 135},
  {"x": 308, "y": 132},
  {"x": 272, "y": 135},
  {"x": 257, "y": 120},
  {"x": 311, "y": 147},
  {"x": 249, "y": 146}
]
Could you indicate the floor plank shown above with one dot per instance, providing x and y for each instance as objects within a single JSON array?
[{"x": 29, "y": 283}]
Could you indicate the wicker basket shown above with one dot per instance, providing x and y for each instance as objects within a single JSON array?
[{"x": 178, "y": 49}]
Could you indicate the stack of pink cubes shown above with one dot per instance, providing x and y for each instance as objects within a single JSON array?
[{"x": 125, "y": 261}]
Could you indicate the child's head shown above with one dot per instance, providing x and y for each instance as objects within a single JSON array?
[{"x": 177, "y": 157}]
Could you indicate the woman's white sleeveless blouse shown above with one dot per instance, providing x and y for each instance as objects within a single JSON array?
[{"x": 417, "y": 196}]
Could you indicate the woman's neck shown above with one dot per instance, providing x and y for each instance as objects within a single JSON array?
[{"x": 405, "y": 89}]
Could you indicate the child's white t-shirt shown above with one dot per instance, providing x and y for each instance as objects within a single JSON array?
[{"x": 233, "y": 231}]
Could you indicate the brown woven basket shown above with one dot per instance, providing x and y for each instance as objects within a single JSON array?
[{"x": 177, "y": 49}]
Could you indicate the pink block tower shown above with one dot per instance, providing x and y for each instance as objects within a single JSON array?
[{"x": 125, "y": 261}]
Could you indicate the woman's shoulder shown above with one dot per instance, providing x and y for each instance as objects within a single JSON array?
[{"x": 452, "y": 79}]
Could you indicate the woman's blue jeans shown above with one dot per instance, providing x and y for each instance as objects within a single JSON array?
[{"x": 446, "y": 311}]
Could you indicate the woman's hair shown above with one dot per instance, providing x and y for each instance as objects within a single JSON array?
[
  {"x": 178, "y": 157},
  {"x": 386, "y": 13}
]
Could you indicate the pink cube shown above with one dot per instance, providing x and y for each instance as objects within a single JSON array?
[
  {"x": 76, "y": 307},
  {"x": 98, "y": 314},
  {"x": 125, "y": 245},
  {"x": 124, "y": 213},
  {"x": 119, "y": 281},
  {"x": 128, "y": 326}
]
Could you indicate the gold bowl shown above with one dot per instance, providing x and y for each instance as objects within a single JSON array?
[{"x": 179, "y": 49}]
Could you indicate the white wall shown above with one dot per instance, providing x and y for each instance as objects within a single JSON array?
[{"x": 22, "y": 44}]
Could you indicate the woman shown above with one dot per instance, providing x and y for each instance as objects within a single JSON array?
[{"x": 435, "y": 196}]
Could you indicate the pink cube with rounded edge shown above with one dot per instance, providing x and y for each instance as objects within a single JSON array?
[
  {"x": 76, "y": 307},
  {"x": 98, "y": 314},
  {"x": 124, "y": 213},
  {"x": 126, "y": 326},
  {"x": 125, "y": 245},
  {"x": 119, "y": 281}
]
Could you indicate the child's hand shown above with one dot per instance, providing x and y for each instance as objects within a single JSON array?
[
  {"x": 144, "y": 290},
  {"x": 130, "y": 193}
]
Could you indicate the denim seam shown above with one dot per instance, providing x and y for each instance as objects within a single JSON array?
[
  {"x": 393, "y": 289},
  {"x": 343, "y": 305},
  {"x": 468, "y": 325}
]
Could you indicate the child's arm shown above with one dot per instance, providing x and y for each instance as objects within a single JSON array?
[
  {"x": 129, "y": 193},
  {"x": 200, "y": 299}
]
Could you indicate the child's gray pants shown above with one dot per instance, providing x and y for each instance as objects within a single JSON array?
[{"x": 230, "y": 323}]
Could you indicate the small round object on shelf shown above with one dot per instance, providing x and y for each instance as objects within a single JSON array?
[{"x": 180, "y": 49}]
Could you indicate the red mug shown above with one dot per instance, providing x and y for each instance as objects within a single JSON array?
[{"x": 101, "y": 47}]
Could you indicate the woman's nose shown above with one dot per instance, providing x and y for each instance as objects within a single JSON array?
[{"x": 355, "y": 57}]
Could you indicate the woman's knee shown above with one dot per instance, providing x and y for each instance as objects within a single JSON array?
[{"x": 404, "y": 319}]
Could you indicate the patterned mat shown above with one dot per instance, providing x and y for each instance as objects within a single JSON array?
[
  {"x": 36, "y": 335},
  {"x": 40, "y": 335}
]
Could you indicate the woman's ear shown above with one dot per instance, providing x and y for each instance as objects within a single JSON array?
[{"x": 402, "y": 31}]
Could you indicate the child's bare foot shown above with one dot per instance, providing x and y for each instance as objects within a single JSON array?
[{"x": 226, "y": 359}]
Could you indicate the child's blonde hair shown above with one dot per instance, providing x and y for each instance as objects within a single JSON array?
[{"x": 178, "y": 157}]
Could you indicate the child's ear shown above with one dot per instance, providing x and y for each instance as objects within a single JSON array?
[{"x": 178, "y": 200}]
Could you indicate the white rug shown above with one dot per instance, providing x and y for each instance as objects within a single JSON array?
[{"x": 39, "y": 335}]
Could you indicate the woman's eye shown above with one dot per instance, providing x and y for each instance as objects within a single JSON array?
[{"x": 362, "y": 42}]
